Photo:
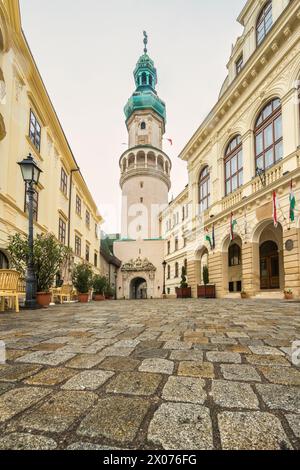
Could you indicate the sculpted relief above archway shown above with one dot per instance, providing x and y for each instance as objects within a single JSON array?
[{"x": 138, "y": 265}]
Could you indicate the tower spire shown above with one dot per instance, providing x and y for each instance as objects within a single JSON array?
[{"x": 145, "y": 42}]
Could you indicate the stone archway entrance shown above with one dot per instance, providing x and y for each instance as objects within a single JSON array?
[
  {"x": 268, "y": 262},
  {"x": 269, "y": 265},
  {"x": 234, "y": 265},
  {"x": 138, "y": 289},
  {"x": 201, "y": 260},
  {"x": 138, "y": 279}
]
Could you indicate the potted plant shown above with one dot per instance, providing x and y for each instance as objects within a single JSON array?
[
  {"x": 206, "y": 290},
  {"x": 109, "y": 292},
  {"x": 99, "y": 286},
  {"x": 82, "y": 278},
  {"x": 184, "y": 291},
  {"x": 48, "y": 256},
  {"x": 288, "y": 294}
]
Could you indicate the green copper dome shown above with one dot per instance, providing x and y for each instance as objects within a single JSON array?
[{"x": 145, "y": 95}]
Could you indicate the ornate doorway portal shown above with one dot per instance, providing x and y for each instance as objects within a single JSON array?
[
  {"x": 138, "y": 288},
  {"x": 138, "y": 276}
]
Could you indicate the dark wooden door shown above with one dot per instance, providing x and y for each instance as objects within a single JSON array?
[{"x": 269, "y": 266}]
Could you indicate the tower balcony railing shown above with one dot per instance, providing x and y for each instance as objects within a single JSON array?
[
  {"x": 161, "y": 167},
  {"x": 142, "y": 158}
]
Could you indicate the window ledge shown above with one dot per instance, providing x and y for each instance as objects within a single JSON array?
[
  {"x": 34, "y": 149},
  {"x": 64, "y": 195}
]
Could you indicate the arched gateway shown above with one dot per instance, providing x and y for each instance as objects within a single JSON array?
[
  {"x": 138, "y": 288},
  {"x": 138, "y": 276}
]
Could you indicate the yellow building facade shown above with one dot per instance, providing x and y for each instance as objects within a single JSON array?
[
  {"x": 242, "y": 163},
  {"x": 29, "y": 124}
]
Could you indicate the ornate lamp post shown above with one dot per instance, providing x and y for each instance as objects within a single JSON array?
[
  {"x": 164, "y": 286},
  {"x": 31, "y": 175}
]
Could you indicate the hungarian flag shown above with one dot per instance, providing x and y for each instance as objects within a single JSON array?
[
  {"x": 275, "y": 209},
  {"x": 208, "y": 239},
  {"x": 292, "y": 203},
  {"x": 213, "y": 237},
  {"x": 233, "y": 223}
]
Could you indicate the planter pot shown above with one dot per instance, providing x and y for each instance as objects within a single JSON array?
[
  {"x": 244, "y": 296},
  {"x": 43, "y": 299},
  {"x": 83, "y": 298},
  {"x": 288, "y": 296},
  {"x": 98, "y": 297},
  {"x": 206, "y": 292},
  {"x": 184, "y": 293}
]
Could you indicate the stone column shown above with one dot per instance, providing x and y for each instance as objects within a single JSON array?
[
  {"x": 248, "y": 160},
  {"x": 249, "y": 270},
  {"x": 216, "y": 267},
  {"x": 291, "y": 260},
  {"x": 191, "y": 276}
]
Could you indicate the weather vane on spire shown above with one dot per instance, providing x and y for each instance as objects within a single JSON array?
[{"x": 145, "y": 42}]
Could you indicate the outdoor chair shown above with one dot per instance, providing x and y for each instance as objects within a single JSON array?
[
  {"x": 9, "y": 288},
  {"x": 63, "y": 294}
]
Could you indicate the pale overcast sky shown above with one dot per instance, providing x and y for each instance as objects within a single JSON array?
[{"x": 86, "y": 51}]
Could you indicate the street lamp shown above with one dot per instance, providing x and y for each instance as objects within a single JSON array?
[
  {"x": 261, "y": 172},
  {"x": 164, "y": 286},
  {"x": 31, "y": 175}
]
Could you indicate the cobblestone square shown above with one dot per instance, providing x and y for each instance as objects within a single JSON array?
[{"x": 160, "y": 374}]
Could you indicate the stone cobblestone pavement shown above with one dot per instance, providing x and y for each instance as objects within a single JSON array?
[{"x": 172, "y": 374}]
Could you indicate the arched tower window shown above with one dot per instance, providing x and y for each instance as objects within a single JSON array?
[
  {"x": 144, "y": 79},
  {"x": 264, "y": 22},
  {"x": 204, "y": 189},
  {"x": 268, "y": 135},
  {"x": 143, "y": 126},
  {"x": 233, "y": 165},
  {"x": 150, "y": 80}
]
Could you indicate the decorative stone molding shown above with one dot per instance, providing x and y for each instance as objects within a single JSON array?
[{"x": 138, "y": 265}]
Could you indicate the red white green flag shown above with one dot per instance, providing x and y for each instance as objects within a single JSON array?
[
  {"x": 233, "y": 223},
  {"x": 275, "y": 209},
  {"x": 292, "y": 203},
  {"x": 208, "y": 238}
]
